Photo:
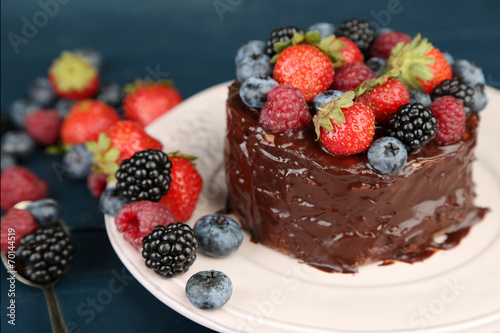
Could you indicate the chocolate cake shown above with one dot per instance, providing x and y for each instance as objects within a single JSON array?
[{"x": 336, "y": 212}]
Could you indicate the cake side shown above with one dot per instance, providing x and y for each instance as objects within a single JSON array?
[{"x": 337, "y": 212}]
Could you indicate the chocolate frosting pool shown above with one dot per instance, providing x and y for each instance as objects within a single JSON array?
[{"x": 337, "y": 212}]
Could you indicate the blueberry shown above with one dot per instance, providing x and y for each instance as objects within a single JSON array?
[
  {"x": 209, "y": 289},
  {"x": 7, "y": 161},
  {"x": 40, "y": 91},
  {"x": 480, "y": 98},
  {"x": 111, "y": 201},
  {"x": 110, "y": 93},
  {"x": 387, "y": 155},
  {"x": 254, "y": 90},
  {"x": 448, "y": 58},
  {"x": 324, "y": 29},
  {"x": 382, "y": 31},
  {"x": 325, "y": 97},
  {"x": 93, "y": 56},
  {"x": 63, "y": 106},
  {"x": 252, "y": 47},
  {"x": 45, "y": 211},
  {"x": 467, "y": 72},
  {"x": 376, "y": 65},
  {"x": 19, "y": 109},
  {"x": 18, "y": 143},
  {"x": 253, "y": 65},
  {"x": 77, "y": 162},
  {"x": 218, "y": 235},
  {"x": 418, "y": 96}
]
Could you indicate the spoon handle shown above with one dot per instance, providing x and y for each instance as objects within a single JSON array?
[{"x": 56, "y": 317}]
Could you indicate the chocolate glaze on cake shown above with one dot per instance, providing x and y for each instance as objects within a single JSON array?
[{"x": 337, "y": 212}]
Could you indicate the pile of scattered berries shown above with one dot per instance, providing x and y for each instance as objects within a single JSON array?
[{"x": 355, "y": 81}]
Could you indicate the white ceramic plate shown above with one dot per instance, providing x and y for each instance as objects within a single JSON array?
[{"x": 453, "y": 291}]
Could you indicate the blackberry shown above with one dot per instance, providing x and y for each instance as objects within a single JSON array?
[
  {"x": 144, "y": 176},
  {"x": 171, "y": 249},
  {"x": 45, "y": 254},
  {"x": 280, "y": 35},
  {"x": 457, "y": 89},
  {"x": 359, "y": 31},
  {"x": 414, "y": 125}
]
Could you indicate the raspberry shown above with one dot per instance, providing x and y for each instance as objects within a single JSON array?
[
  {"x": 96, "y": 182},
  {"x": 285, "y": 110},
  {"x": 20, "y": 184},
  {"x": 350, "y": 75},
  {"x": 450, "y": 114},
  {"x": 43, "y": 126},
  {"x": 21, "y": 221},
  {"x": 138, "y": 219},
  {"x": 384, "y": 43},
  {"x": 457, "y": 89}
]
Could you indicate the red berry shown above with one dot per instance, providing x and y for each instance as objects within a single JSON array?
[
  {"x": 21, "y": 221},
  {"x": 450, "y": 115},
  {"x": 43, "y": 126},
  {"x": 350, "y": 75},
  {"x": 285, "y": 110},
  {"x": 350, "y": 52},
  {"x": 138, "y": 219},
  {"x": 20, "y": 184},
  {"x": 384, "y": 43},
  {"x": 96, "y": 182}
]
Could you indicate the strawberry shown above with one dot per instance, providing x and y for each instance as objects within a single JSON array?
[
  {"x": 73, "y": 77},
  {"x": 119, "y": 142},
  {"x": 384, "y": 96},
  {"x": 146, "y": 101},
  {"x": 304, "y": 67},
  {"x": 422, "y": 66},
  {"x": 341, "y": 50},
  {"x": 344, "y": 127},
  {"x": 383, "y": 44},
  {"x": 185, "y": 187},
  {"x": 86, "y": 120}
]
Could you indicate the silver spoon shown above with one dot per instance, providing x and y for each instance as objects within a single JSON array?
[{"x": 56, "y": 318}]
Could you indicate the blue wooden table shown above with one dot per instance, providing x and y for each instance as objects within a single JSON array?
[{"x": 192, "y": 42}]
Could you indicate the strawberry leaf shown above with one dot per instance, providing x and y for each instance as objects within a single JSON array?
[
  {"x": 313, "y": 37},
  {"x": 297, "y": 38},
  {"x": 111, "y": 155},
  {"x": 280, "y": 46}
]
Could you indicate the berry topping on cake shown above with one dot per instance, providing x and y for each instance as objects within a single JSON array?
[
  {"x": 285, "y": 110},
  {"x": 209, "y": 289},
  {"x": 170, "y": 250},
  {"x": 86, "y": 120},
  {"x": 345, "y": 127},
  {"x": 218, "y": 235},
  {"x": 456, "y": 89},
  {"x": 418, "y": 96},
  {"x": 304, "y": 67},
  {"x": 252, "y": 47},
  {"x": 414, "y": 125},
  {"x": 77, "y": 162},
  {"x": 359, "y": 31},
  {"x": 138, "y": 219},
  {"x": 254, "y": 90},
  {"x": 350, "y": 75},
  {"x": 145, "y": 176},
  {"x": 43, "y": 126},
  {"x": 147, "y": 100},
  {"x": 468, "y": 72},
  {"x": 280, "y": 35},
  {"x": 45, "y": 211},
  {"x": 253, "y": 65},
  {"x": 325, "y": 97},
  {"x": 22, "y": 221},
  {"x": 384, "y": 96},
  {"x": 341, "y": 50},
  {"x": 376, "y": 65},
  {"x": 384, "y": 43},
  {"x": 20, "y": 184},
  {"x": 73, "y": 77},
  {"x": 185, "y": 187},
  {"x": 450, "y": 114},
  {"x": 422, "y": 66},
  {"x": 387, "y": 155},
  {"x": 480, "y": 98}
]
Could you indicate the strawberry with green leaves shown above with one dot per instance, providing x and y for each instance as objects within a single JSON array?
[
  {"x": 147, "y": 100},
  {"x": 383, "y": 95},
  {"x": 341, "y": 50},
  {"x": 344, "y": 127},
  {"x": 185, "y": 187},
  {"x": 422, "y": 66}
]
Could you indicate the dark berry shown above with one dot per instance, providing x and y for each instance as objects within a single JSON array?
[
  {"x": 111, "y": 201},
  {"x": 387, "y": 155},
  {"x": 63, "y": 106},
  {"x": 171, "y": 249},
  {"x": 218, "y": 235},
  {"x": 19, "y": 109},
  {"x": 325, "y": 29},
  {"x": 325, "y": 97},
  {"x": 252, "y": 47},
  {"x": 467, "y": 72},
  {"x": 209, "y": 289},
  {"x": 45, "y": 211},
  {"x": 480, "y": 98},
  {"x": 110, "y": 93},
  {"x": 414, "y": 125},
  {"x": 77, "y": 162},
  {"x": 18, "y": 143},
  {"x": 253, "y": 65},
  {"x": 280, "y": 35},
  {"x": 419, "y": 96},
  {"x": 7, "y": 161},
  {"x": 40, "y": 91},
  {"x": 359, "y": 31},
  {"x": 457, "y": 89},
  {"x": 254, "y": 90},
  {"x": 145, "y": 176},
  {"x": 376, "y": 65}
]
